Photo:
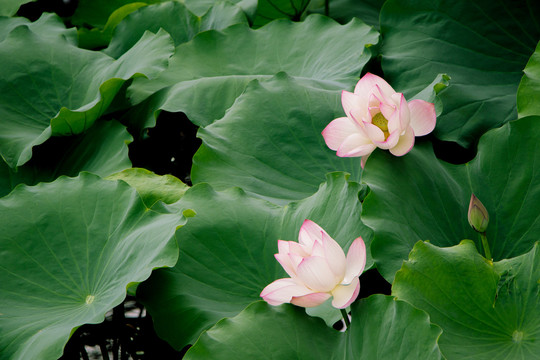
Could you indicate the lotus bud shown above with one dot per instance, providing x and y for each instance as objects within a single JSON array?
[{"x": 478, "y": 215}]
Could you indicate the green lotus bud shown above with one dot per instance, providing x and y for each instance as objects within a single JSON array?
[{"x": 478, "y": 215}]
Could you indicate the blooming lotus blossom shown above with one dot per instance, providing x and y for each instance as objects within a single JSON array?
[
  {"x": 377, "y": 116},
  {"x": 318, "y": 269}
]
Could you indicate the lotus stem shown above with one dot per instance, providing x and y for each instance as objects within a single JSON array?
[
  {"x": 327, "y": 7},
  {"x": 485, "y": 245},
  {"x": 345, "y": 318}
]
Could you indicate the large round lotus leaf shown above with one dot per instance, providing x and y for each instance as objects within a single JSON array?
[
  {"x": 418, "y": 197},
  {"x": 101, "y": 150},
  {"x": 54, "y": 88},
  {"x": 528, "y": 96},
  {"x": 381, "y": 328},
  {"x": 487, "y": 311},
  {"x": 207, "y": 74},
  {"x": 482, "y": 46},
  {"x": 282, "y": 158},
  {"x": 174, "y": 18},
  {"x": 68, "y": 252},
  {"x": 227, "y": 253},
  {"x": 48, "y": 26}
]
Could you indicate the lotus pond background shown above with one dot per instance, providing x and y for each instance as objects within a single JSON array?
[{"x": 153, "y": 152}]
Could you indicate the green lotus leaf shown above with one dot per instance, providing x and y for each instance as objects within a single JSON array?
[
  {"x": 431, "y": 92},
  {"x": 290, "y": 118},
  {"x": 381, "y": 328},
  {"x": 101, "y": 150},
  {"x": 96, "y": 13},
  {"x": 226, "y": 260},
  {"x": 269, "y": 10},
  {"x": 7, "y": 24},
  {"x": 69, "y": 250},
  {"x": 487, "y": 311},
  {"x": 418, "y": 197},
  {"x": 385, "y": 328},
  {"x": 176, "y": 19},
  {"x": 65, "y": 89},
  {"x": 528, "y": 96},
  {"x": 262, "y": 331},
  {"x": 10, "y": 7},
  {"x": 151, "y": 187},
  {"x": 227, "y": 253},
  {"x": 345, "y": 10},
  {"x": 222, "y": 15},
  {"x": 284, "y": 157},
  {"x": 200, "y": 7},
  {"x": 48, "y": 26},
  {"x": 97, "y": 37},
  {"x": 207, "y": 74},
  {"x": 482, "y": 47}
]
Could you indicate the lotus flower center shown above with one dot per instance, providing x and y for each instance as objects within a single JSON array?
[{"x": 382, "y": 123}]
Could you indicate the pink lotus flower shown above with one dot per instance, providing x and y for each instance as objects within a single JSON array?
[
  {"x": 377, "y": 116},
  {"x": 318, "y": 270}
]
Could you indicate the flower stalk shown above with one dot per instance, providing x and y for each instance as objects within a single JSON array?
[
  {"x": 485, "y": 245},
  {"x": 345, "y": 318}
]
